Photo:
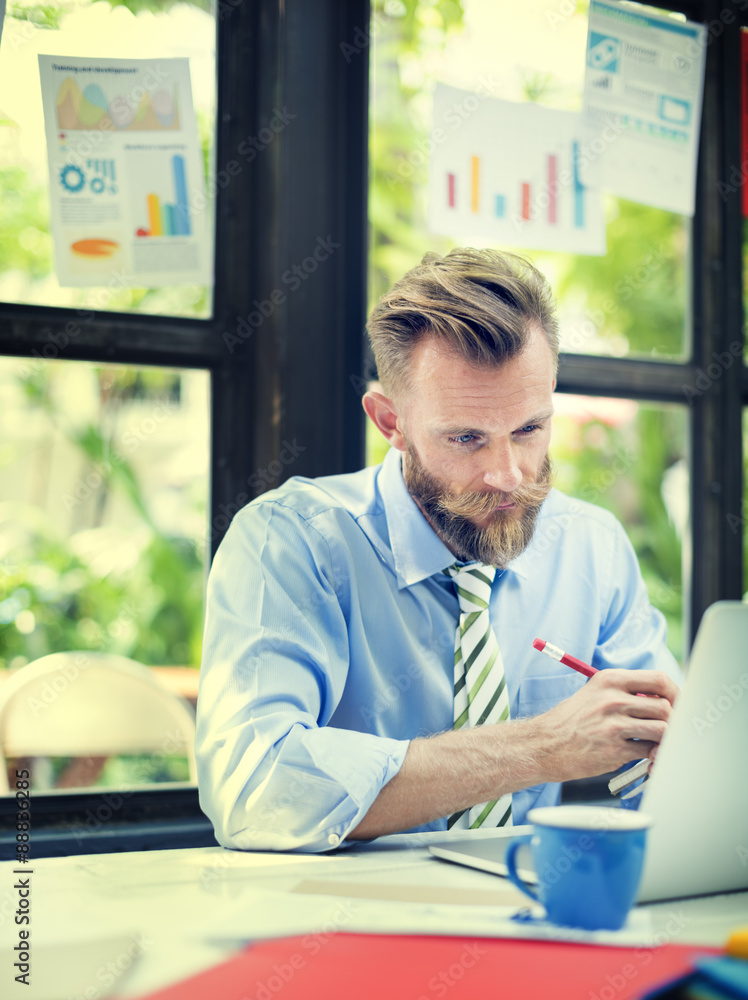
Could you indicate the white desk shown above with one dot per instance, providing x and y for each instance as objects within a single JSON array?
[{"x": 185, "y": 910}]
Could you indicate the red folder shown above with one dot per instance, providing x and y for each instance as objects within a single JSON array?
[{"x": 388, "y": 967}]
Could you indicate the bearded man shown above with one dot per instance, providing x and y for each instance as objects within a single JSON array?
[{"x": 368, "y": 665}]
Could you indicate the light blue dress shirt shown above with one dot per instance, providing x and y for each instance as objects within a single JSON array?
[{"x": 329, "y": 644}]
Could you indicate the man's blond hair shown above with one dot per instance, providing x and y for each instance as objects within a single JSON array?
[{"x": 483, "y": 303}]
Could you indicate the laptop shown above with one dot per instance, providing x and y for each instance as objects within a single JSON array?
[{"x": 697, "y": 795}]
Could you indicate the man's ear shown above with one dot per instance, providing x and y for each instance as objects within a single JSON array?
[{"x": 383, "y": 414}]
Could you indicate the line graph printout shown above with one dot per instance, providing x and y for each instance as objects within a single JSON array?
[
  {"x": 126, "y": 173},
  {"x": 518, "y": 175}
]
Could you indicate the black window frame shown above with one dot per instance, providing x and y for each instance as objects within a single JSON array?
[{"x": 295, "y": 381}]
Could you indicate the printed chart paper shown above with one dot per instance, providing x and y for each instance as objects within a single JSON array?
[
  {"x": 518, "y": 175},
  {"x": 643, "y": 87},
  {"x": 128, "y": 205}
]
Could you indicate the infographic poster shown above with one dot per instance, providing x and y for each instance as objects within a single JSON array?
[
  {"x": 643, "y": 86},
  {"x": 127, "y": 184}
]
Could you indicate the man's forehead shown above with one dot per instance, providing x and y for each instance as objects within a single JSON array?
[{"x": 445, "y": 386}]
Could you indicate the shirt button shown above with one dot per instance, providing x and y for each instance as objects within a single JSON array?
[{"x": 333, "y": 840}]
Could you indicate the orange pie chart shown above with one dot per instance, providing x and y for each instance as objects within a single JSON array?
[{"x": 95, "y": 248}]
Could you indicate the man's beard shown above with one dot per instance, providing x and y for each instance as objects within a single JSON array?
[{"x": 507, "y": 533}]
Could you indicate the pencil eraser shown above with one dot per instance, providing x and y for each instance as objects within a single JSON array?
[{"x": 539, "y": 644}]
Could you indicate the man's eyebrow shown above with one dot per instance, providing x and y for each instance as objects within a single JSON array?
[
  {"x": 539, "y": 419},
  {"x": 452, "y": 431}
]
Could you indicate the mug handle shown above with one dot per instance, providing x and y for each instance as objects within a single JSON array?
[{"x": 511, "y": 864}]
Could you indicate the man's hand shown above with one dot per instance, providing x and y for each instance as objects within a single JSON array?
[
  {"x": 601, "y": 727},
  {"x": 606, "y": 723}
]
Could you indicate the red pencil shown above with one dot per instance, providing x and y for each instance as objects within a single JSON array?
[{"x": 567, "y": 658}]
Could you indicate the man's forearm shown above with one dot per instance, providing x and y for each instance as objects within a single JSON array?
[
  {"x": 454, "y": 770},
  {"x": 601, "y": 727}
]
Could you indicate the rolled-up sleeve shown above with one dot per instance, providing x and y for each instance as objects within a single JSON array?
[
  {"x": 633, "y": 633},
  {"x": 272, "y": 774}
]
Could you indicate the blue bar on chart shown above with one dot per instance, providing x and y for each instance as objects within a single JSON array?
[
  {"x": 500, "y": 206},
  {"x": 182, "y": 213},
  {"x": 578, "y": 189}
]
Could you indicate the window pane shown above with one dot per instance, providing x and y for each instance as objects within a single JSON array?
[
  {"x": 140, "y": 29},
  {"x": 104, "y": 480},
  {"x": 628, "y": 303},
  {"x": 629, "y": 457},
  {"x": 736, "y": 527}
]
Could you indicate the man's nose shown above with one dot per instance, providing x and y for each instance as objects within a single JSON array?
[{"x": 503, "y": 472}]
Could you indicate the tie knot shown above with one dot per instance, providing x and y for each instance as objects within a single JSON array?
[{"x": 473, "y": 585}]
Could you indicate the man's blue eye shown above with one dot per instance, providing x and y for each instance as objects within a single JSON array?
[{"x": 463, "y": 438}]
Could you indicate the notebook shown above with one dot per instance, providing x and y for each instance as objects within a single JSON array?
[
  {"x": 375, "y": 966},
  {"x": 697, "y": 795}
]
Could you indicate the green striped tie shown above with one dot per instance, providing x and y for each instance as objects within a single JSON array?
[{"x": 480, "y": 687}]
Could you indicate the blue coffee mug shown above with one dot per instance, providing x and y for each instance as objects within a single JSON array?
[{"x": 588, "y": 862}]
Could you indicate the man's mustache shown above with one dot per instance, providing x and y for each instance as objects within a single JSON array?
[{"x": 480, "y": 504}]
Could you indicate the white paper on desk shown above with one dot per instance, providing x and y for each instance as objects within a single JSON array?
[
  {"x": 512, "y": 174},
  {"x": 378, "y": 917},
  {"x": 643, "y": 87},
  {"x": 97, "y": 967}
]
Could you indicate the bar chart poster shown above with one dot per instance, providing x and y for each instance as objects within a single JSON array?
[
  {"x": 128, "y": 204},
  {"x": 514, "y": 175}
]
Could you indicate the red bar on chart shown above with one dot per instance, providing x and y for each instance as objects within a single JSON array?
[
  {"x": 451, "y": 190},
  {"x": 526, "y": 202},
  {"x": 552, "y": 189},
  {"x": 475, "y": 171}
]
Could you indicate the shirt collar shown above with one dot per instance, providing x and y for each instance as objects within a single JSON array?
[{"x": 417, "y": 550}]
